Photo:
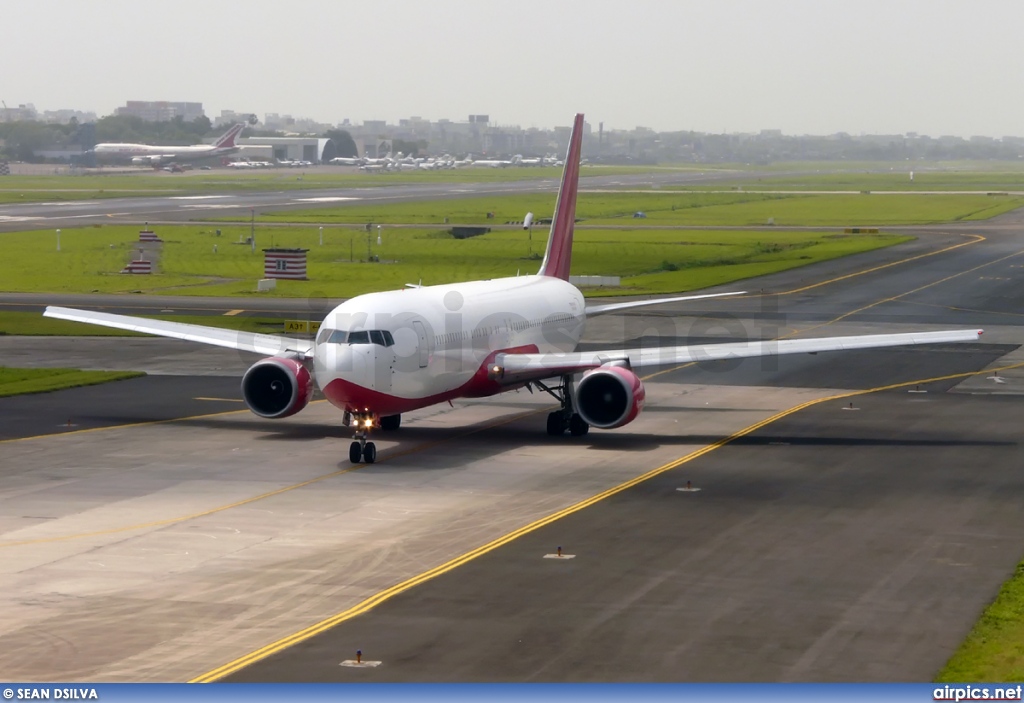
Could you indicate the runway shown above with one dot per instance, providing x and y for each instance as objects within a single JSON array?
[
  {"x": 182, "y": 208},
  {"x": 825, "y": 543}
]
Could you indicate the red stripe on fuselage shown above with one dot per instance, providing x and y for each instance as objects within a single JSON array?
[{"x": 355, "y": 398}]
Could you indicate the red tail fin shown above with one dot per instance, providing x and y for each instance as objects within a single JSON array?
[
  {"x": 558, "y": 257},
  {"x": 228, "y": 140}
]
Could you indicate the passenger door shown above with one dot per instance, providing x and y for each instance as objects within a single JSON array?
[{"x": 424, "y": 350}]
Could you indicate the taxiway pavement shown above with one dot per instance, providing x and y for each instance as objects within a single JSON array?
[{"x": 827, "y": 544}]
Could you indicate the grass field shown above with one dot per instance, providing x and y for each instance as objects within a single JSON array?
[
  {"x": 608, "y": 242},
  {"x": 994, "y": 650},
  {"x": 31, "y": 323},
  {"x": 650, "y": 260},
  {"x": 985, "y": 177},
  {"x": 22, "y": 381},
  {"x": 677, "y": 208},
  {"x": 56, "y": 188}
]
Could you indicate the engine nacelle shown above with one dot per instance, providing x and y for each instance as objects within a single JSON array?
[
  {"x": 277, "y": 387},
  {"x": 609, "y": 396}
]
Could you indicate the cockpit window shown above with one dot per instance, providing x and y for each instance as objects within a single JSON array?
[{"x": 381, "y": 338}]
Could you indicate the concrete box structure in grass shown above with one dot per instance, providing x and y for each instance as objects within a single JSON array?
[{"x": 285, "y": 263}]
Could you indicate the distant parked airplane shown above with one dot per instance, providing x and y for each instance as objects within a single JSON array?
[
  {"x": 498, "y": 163},
  {"x": 156, "y": 155},
  {"x": 347, "y": 161}
]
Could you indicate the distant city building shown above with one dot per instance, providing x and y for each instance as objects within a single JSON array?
[
  {"x": 19, "y": 114},
  {"x": 227, "y": 118},
  {"x": 161, "y": 110},
  {"x": 293, "y": 125},
  {"x": 65, "y": 116}
]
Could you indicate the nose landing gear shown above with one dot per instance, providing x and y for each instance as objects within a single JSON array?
[{"x": 361, "y": 451}]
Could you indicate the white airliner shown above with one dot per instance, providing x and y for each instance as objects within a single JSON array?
[
  {"x": 347, "y": 161},
  {"x": 379, "y": 355},
  {"x": 156, "y": 155},
  {"x": 498, "y": 163}
]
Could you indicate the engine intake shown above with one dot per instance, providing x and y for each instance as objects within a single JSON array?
[
  {"x": 277, "y": 387},
  {"x": 609, "y": 397}
]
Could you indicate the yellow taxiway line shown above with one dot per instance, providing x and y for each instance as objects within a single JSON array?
[{"x": 388, "y": 593}]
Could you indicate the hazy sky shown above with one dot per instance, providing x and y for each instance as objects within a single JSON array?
[{"x": 802, "y": 66}]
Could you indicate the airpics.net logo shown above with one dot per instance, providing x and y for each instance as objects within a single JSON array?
[
  {"x": 978, "y": 693},
  {"x": 461, "y": 347}
]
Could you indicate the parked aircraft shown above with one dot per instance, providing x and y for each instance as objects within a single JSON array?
[
  {"x": 379, "y": 355},
  {"x": 156, "y": 155},
  {"x": 347, "y": 161},
  {"x": 385, "y": 160},
  {"x": 498, "y": 163}
]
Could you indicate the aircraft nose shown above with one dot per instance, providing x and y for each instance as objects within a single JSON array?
[{"x": 339, "y": 361}]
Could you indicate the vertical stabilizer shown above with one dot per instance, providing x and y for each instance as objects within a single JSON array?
[
  {"x": 228, "y": 138},
  {"x": 558, "y": 257}
]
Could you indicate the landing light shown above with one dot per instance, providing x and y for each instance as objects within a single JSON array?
[
  {"x": 496, "y": 371},
  {"x": 368, "y": 422}
]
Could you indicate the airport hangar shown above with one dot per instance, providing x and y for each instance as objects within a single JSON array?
[{"x": 318, "y": 150}]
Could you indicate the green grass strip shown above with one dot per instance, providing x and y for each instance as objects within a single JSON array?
[
  {"x": 31, "y": 323},
  {"x": 994, "y": 649},
  {"x": 23, "y": 381}
]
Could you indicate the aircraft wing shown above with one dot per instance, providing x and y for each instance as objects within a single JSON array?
[
  {"x": 268, "y": 344},
  {"x": 512, "y": 368},
  {"x": 612, "y": 307}
]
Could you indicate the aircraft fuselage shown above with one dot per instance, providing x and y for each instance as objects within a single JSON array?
[{"x": 439, "y": 340}]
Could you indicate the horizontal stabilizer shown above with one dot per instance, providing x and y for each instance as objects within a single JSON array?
[{"x": 613, "y": 307}]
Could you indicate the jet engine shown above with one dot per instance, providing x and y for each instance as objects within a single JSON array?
[
  {"x": 609, "y": 396},
  {"x": 277, "y": 387}
]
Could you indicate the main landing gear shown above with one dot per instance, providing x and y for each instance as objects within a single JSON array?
[
  {"x": 566, "y": 418},
  {"x": 362, "y": 451}
]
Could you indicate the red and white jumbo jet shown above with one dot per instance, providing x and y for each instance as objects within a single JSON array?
[
  {"x": 156, "y": 155},
  {"x": 379, "y": 355}
]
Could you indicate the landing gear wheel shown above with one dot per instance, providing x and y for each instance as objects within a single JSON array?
[
  {"x": 370, "y": 453},
  {"x": 556, "y": 423},
  {"x": 390, "y": 423},
  {"x": 355, "y": 452},
  {"x": 578, "y": 427}
]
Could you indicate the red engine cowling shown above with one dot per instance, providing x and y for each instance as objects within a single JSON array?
[
  {"x": 609, "y": 396},
  {"x": 277, "y": 387}
]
